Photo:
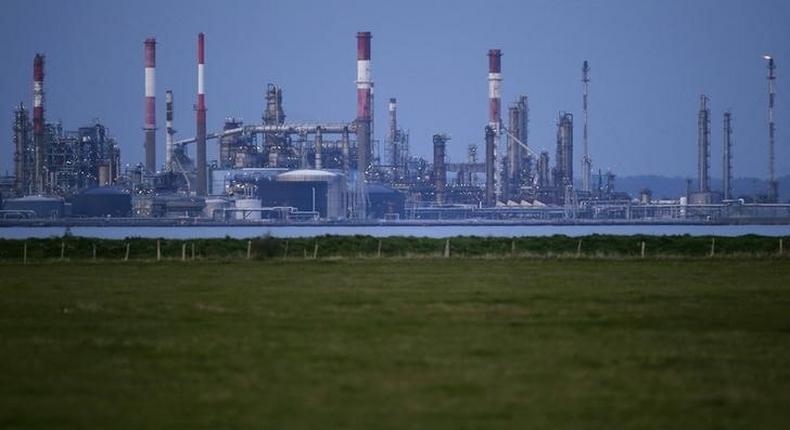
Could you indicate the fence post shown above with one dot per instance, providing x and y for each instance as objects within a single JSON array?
[
  {"x": 643, "y": 249},
  {"x": 24, "y": 253},
  {"x": 158, "y": 251},
  {"x": 62, "y": 249},
  {"x": 193, "y": 251},
  {"x": 781, "y": 250},
  {"x": 249, "y": 249},
  {"x": 378, "y": 254},
  {"x": 579, "y": 249},
  {"x": 94, "y": 252},
  {"x": 447, "y": 249},
  {"x": 513, "y": 247},
  {"x": 126, "y": 256},
  {"x": 183, "y": 252},
  {"x": 712, "y": 246},
  {"x": 285, "y": 253},
  {"x": 315, "y": 251}
]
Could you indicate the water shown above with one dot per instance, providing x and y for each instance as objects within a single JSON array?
[{"x": 241, "y": 232}]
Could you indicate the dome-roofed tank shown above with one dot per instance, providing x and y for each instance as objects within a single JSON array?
[
  {"x": 308, "y": 175},
  {"x": 319, "y": 191},
  {"x": 102, "y": 202},
  {"x": 40, "y": 206}
]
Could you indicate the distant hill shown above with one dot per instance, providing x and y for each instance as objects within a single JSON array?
[{"x": 673, "y": 187}]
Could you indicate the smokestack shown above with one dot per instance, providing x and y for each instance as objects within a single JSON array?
[
  {"x": 494, "y": 83},
  {"x": 169, "y": 149},
  {"x": 150, "y": 105},
  {"x": 200, "y": 142},
  {"x": 494, "y": 122},
  {"x": 38, "y": 123},
  {"x": 364, "y": 99},
  {"x": 703, "y": 144}
]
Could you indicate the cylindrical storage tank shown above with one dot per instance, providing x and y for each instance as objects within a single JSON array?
[
  {"x": 335, "y": 188},
  {"x": 102, "y": 202},
  {"x": 248, "y": 214},
  {"x": 214, "y": 208},
  {"x": 40, "y": 206}
]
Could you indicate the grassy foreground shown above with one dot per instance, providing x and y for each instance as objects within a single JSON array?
[{"x": 428, "y": 343}]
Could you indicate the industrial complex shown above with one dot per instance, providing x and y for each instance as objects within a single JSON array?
[{"x": 280, "y": 170}]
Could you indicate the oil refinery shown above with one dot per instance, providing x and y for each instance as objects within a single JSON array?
[{"x": 281, "y": 170}]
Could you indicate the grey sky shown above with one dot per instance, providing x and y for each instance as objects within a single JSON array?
[{"x": 650, "y": 61}]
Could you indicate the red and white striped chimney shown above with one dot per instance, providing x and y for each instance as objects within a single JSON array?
[
  {"x": 495, "y": 122},
  {"x": 364, "y": 99},
  {"x": 494, "y": 82},
  {"x": 150, "y": 105},
  {"x": 38, "y": 122},
  {"x": 200, "y": 143}
]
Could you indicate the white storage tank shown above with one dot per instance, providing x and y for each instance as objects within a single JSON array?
[
  {"x": 242, "y": 214},
  {"x": 214, "y": 208},
  {"x": 331, "y": 201}
]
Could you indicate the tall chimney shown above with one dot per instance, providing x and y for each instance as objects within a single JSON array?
[
  {"x": 38, "y": 123},
  {"x": 364, "y": 108},
  {"x": 150, "y": 105},
  {"x": 200, "y": 141},
  {"x": 493, "y": 166},
  {"x": 169, "y": 131}
]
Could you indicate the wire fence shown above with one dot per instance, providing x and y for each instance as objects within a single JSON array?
[{"x": 336, "y": 247}]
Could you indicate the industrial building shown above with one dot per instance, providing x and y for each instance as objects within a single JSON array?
[{"x": 285, "y": 170}]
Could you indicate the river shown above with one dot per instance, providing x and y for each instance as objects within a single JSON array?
[{"x": 241, "y": 232}]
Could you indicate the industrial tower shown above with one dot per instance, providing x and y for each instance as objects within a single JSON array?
[
  {"x": 703, "y": 144},
  {"x": 150, "y": 105},
  {"x": 200, "y": 135},
  {"x": 586, "y": 161},
  {"x": 727, "y": 161},
  {"x": 39, "y": 143},
  {"x": 773, "y": 191},
  {"x": 493, "y": 129}
]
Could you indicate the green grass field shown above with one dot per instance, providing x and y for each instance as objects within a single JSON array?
[{"x": 397, "y": 343}]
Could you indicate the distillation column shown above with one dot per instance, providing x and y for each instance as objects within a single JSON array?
[
  {"x": 703, "y": 143},
  {"x": 727, "y": 162},
  {"x": 392, "y": 138},
  {"x": 586, "y": 161},
  {"x": 772, "y": 183},
  {"x": 169, "y": 131},
  {"x": 440, "y": 167}
]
